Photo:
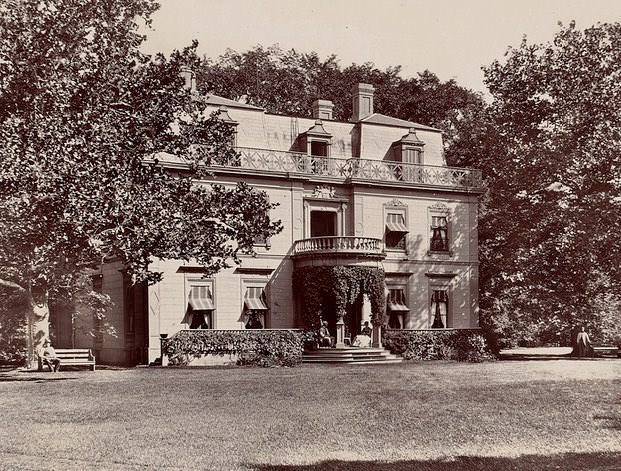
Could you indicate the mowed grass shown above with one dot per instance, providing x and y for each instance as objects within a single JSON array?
[{"x": 535, "y": 415}]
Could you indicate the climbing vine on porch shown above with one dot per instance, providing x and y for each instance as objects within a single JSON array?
[{"x": 345, "y": 284}]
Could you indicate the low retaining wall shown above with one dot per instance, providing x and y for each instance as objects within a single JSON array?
[{"x": 261, "y": 347}]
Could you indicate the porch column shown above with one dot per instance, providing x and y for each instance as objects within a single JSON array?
[
  {"x": 376, "y": 336},
  {"x": 340, "y": 329},
  {"x": 366, "y": 309}
]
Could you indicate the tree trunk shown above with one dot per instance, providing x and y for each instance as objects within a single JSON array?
[{"x": 38, "y": 326}]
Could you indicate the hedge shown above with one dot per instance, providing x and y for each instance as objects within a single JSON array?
[
  {"x": 253, "y": 347},
  {"x": 461, "y": 345}
]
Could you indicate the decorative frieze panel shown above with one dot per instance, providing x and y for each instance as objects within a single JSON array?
[
  {"x": 324, "y": 191},
  {"x": 395, "y": 202}
]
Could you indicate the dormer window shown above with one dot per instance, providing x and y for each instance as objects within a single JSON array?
[
  {"x": 409, "y": 150},
  {"x": 316, "y": 143},
  {"x": 412, "y": 155},
  {"x": 223, "y": 115},
  {"x": 319, "y": 148}
]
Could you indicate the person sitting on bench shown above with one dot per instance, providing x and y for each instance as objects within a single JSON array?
[
  {"x": 325, "y": 339},
  {"x": 48, "y": 356}
]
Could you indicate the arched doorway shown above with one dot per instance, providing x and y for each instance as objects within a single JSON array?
[{"x": 336, "y": 294}]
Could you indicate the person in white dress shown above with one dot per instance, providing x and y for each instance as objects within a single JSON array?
[{"x": 363, "y": 339}]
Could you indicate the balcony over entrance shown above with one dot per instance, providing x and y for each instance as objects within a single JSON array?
[{"x": 339, "y": 250}]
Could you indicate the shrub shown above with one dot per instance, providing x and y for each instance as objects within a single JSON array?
[
  {"x": 13, "y": 334},
  {"x": 254, "y": 347},
  {"x": 461, "y": 345}
]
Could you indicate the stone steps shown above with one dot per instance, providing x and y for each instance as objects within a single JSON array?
[{"x": 350, "y": 355}]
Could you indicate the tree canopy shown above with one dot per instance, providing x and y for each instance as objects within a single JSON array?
[
  {"x": 83, "y": 116},
  {"x": 549, "y": 149},
  {"x": 287, "y": 82}
]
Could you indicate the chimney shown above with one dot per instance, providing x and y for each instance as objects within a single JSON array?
[
  {"x": 189, "y": 77},
  {"x": 363, "y": 101},
  {"x": 322, "y": 109}
]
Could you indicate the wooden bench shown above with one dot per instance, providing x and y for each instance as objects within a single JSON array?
[
  {"x": 606, "y": 351},
  {"x": 73, "y": 357}
]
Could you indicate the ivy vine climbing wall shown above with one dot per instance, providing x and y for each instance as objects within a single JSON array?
[{"x": 344, "y": 284}]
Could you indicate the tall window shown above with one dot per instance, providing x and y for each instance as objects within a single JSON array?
[
  {"x": 439, "y": 308},
  {"x": 323, "y": 223},
  {"x": 397, "y": 308},
  {"x": 255, "y": 307},
  {"x": 319, "y": 162},
  {"x": 412, "y": 155},
  {"x": 412, "y": 173},
  {"x": 439, "y": 234},
  {"x": 409, "y": 150},
  {"x": 316, "y": 143},
  {"x": 396, "y": 230},
  {"x": 199, "y": 314},
  {"x": 259, "y": 240}
]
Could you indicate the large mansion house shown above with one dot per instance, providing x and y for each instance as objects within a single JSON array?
[{"x": 374, "y": 191}]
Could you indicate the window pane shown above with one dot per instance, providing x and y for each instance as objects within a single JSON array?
[
  {"x": 395, "y": 240},
  {"x": 323, "y": 224},
  {"x": 439, "y": 234},
  {"x": 439, "y": 308},
  {"x": 319, "y": 148}
]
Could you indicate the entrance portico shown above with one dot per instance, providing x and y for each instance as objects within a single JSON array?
[{"x": 340, "y": 280}]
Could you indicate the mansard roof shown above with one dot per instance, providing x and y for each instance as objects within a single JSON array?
[
  {"x": 216, "y": 100},
  {"x": 378, "y": 118}
]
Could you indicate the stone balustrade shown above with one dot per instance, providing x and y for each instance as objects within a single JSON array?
[
  {"x": 338, "y": 245},
  {"x": 355, "y": 168}
]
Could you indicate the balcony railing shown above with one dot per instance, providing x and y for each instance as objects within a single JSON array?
[
  {"x": 338, "y": 245},
  {"x": 377, "y": 170}
]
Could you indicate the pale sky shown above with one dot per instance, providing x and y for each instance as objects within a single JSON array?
[{"x": 452, "y": 38}]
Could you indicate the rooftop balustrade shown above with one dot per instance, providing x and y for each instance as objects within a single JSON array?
[{"x": 356, "y": 168}]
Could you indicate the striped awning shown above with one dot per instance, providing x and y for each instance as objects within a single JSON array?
[
  {"x": 255, "y": 304},
  {"x": 200, "y": 298},
  {"x": 396, "y": 223},
  {"x": 254, "y": 299},
  {"x": 396, "y": 300},
  {"x": 397, "y": 307}
]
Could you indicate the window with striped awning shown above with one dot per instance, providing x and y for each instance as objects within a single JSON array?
[
  {"x": 396, "y": 300},
  {"x": 200, "y": 308},
  {"x": 396, "y": 308},
  {"x": 395, "y": 222},
  {"x": 396, "y": 231},
  {"x": 200, "y": 298},
  {"x": 254, "y": 299}
]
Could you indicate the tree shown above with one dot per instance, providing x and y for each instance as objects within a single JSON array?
[
  {"x": 83, "y": 117},
  {"x": 550, "y": 227},
  {"x": 287, "y": 82}
]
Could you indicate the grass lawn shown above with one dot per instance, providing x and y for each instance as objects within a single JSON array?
[{"x": 557, "y": 414}]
